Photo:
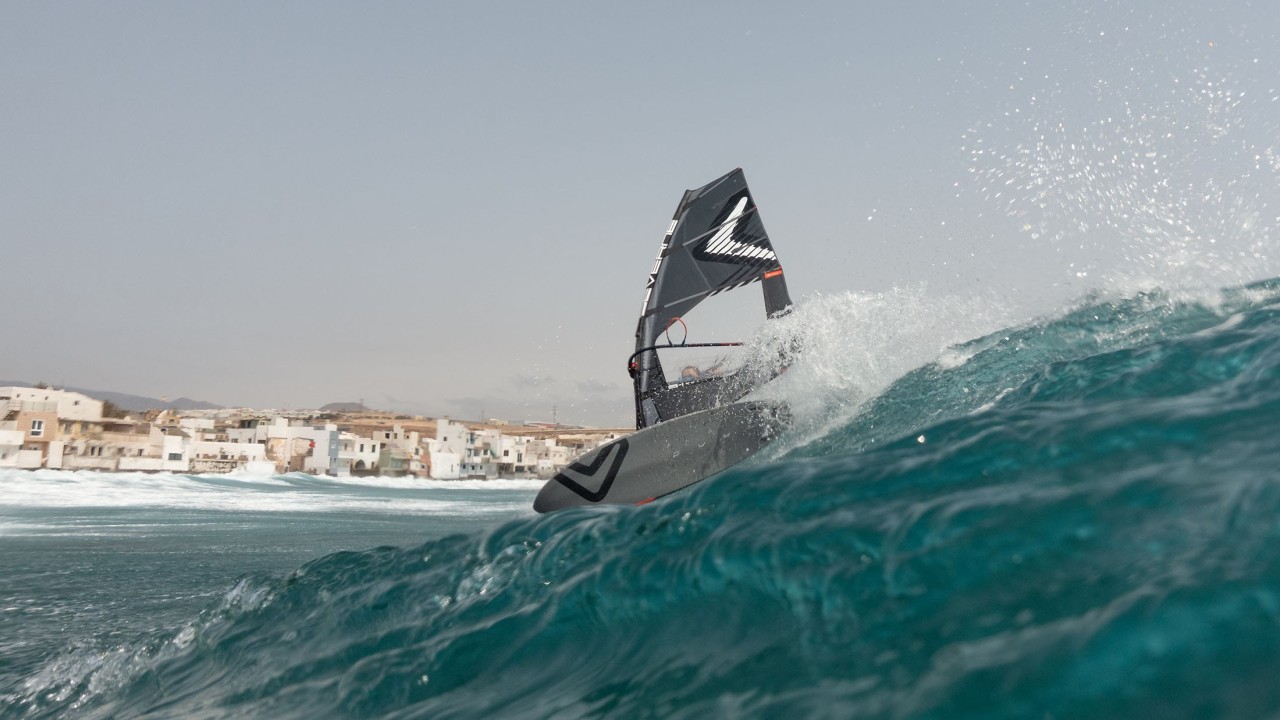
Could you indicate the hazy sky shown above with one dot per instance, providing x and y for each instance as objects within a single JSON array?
[{"x": 451, "y": 208}]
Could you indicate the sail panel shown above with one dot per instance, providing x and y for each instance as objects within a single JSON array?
[{"x": 716, "y": 242}]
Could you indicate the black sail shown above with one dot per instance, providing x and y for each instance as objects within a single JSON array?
[{"x": 716, "y": 242}]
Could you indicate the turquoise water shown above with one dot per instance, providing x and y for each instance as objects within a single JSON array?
[{"x": 1074, "y": 517}]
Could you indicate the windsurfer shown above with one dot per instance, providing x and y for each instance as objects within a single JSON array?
[
  {"x": 692, "y": 372},
  {"x": 715, "y": 243}
]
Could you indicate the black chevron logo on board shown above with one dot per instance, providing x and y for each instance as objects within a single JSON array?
[{"x": 618, "y": 450}]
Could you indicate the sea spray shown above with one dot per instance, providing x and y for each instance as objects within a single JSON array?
[
  {"x": 854, "y": 345},
  {"x": 1138, "y": 170}
]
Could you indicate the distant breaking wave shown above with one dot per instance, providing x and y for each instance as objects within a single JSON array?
[{"x": 235, "y": 492}]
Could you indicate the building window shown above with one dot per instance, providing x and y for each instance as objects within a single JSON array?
[
  {"x": 37, "y": 428},
  {"x": 506, "y": 453},
  {"x": 175, "y": 456}
]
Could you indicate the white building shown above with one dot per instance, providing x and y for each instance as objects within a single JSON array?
[
  {"x": 12, "y": 455},
  {"x": 401, "y": 452},
  {"x": 357, "y": 455},
  {"x": 170, "y": 452},
  {"x": 513, "y": 456},
  {"x": 310, "y": 449},
  {"x": 102, "y": 446},
  {"x": 251, "y": 430},
  {"x": 206, "y": 455},
  {"x": 442, "y": 464},
  {"x": 197, "y": 428},
  {"x": 480, "y": 459},
  {"x": 70, "y": 405},
  {"x": 454, "y": 437},
  {"x": 546, "y": 457}
]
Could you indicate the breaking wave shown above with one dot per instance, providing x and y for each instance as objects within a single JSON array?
[{"x": 1075, "y": 516}]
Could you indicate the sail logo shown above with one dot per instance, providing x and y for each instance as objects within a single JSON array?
[
  {"x": 723, "y": 246},
  {"x": 657, "y": 263}
]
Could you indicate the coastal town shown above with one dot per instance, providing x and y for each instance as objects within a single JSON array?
[{"x": 42, "y": 427}]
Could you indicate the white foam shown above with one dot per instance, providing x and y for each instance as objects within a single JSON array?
[
  {"x": 241, "y": 493},
  {"x": 855, "y": 345}
]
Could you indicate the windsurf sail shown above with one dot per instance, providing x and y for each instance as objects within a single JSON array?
[{"x": 716, "y": 242}]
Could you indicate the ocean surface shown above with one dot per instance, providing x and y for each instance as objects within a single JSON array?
[{"x": 1075, "y": 516}]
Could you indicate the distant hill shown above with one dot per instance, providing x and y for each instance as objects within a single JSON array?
[
  {"x": 344, "y": 407},
  {"x": 133, "y": 403}
]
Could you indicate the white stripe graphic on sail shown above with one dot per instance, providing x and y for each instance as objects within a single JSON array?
[{"x": 723, "y": 244}]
